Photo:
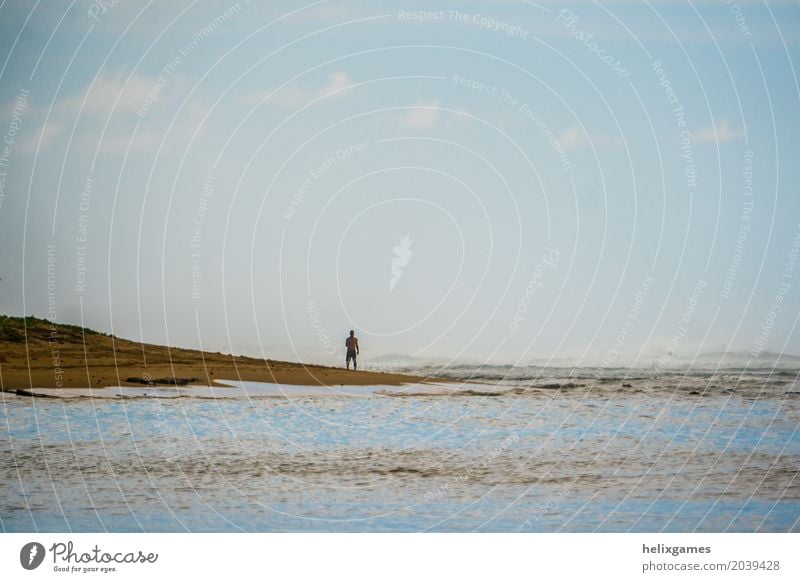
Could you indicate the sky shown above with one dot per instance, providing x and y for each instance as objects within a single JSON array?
[{"x": 502, "y": 181}]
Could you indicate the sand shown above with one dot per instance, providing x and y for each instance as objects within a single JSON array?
[{"x": 37, "y": 354}]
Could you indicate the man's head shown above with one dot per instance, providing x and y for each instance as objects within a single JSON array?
[{"x": 352, "y": 333}]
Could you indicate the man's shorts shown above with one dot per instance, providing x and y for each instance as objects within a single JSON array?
[{"x": 351, "y": 355}]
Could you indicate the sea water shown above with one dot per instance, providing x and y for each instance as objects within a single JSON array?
[{"x": 578, "y": 452}]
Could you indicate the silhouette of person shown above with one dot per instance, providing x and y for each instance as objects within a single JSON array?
[{"x": 351, "y": 343}]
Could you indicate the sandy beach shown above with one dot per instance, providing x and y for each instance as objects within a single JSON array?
[{"x": 34, "y": 353}]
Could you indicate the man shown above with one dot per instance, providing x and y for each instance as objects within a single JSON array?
[{"x": 351, "y": 343}]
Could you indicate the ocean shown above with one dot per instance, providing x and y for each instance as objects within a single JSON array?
[{"x": 519, "y": 449}]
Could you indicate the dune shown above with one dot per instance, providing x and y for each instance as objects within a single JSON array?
[{"x": 36, "y": 353}]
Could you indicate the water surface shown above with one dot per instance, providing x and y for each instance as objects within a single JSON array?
[{"x": 647, "y": 454}]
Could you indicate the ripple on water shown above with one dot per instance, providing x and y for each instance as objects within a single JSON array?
[{"x": 573, "y": 461}]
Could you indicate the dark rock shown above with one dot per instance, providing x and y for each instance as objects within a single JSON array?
[{"x": 167, "y": 380}]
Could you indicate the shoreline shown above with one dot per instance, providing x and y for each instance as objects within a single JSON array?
[{"x": 35, "y": 353}]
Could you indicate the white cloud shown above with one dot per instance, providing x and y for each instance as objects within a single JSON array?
[
  {"x": 14, "y": 107},
  {"x": 719, "y": 132},
  {"x": 421, "y": 116},
  {"x": 572, "y": 138},
  {"x": 126, "y": 97},
  {"x": 294, "y": 95},
  {"x": 336, "y": 82},
  {"x": 113, "y": 91},
  {"x": 152, "y": 137},
  {"x": 119, "y": 142},
  {"x": 93, "y": 102},
  {"x": 41, "y": 138}
]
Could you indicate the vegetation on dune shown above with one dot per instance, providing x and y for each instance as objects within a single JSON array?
[{"x": 17, "y": 329}]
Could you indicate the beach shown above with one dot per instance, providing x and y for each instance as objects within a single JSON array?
[{"x": 34, "y": 353}]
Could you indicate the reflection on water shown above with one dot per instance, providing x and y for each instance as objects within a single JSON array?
[{"x": 526, "y": 460}]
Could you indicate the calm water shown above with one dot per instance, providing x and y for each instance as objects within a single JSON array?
[{"x": 701, "y": 452}]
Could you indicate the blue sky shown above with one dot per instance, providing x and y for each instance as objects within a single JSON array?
[{"x": 254, "y": 168}]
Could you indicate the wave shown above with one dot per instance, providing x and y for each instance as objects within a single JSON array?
[{"x": 527, "y": 374}]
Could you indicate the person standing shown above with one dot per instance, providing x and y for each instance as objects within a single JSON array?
[{"x": 351, "y": 343}]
